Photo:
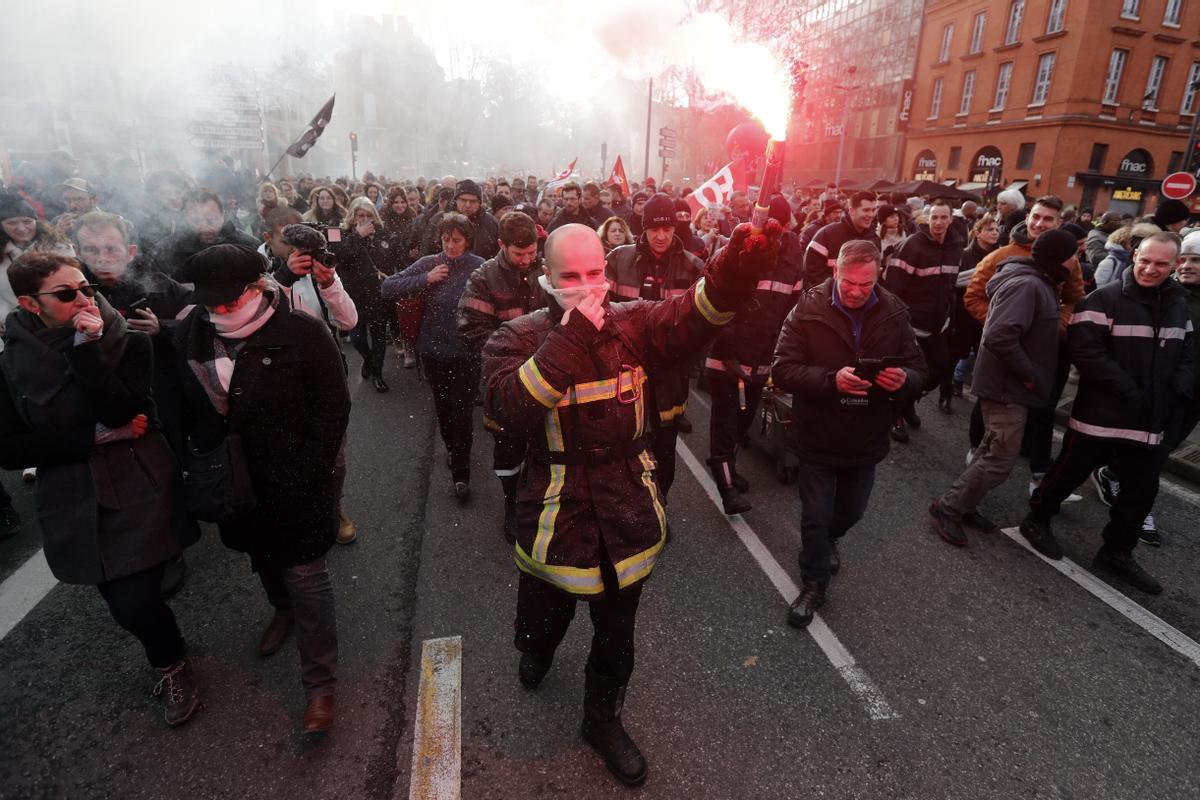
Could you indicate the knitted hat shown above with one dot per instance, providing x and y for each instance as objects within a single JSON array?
[
  {"x": 222, "y": 272},
  {"x": 1075, "y": 230},
  {"x": 781, "y": 211},
  {"x": 1055, "y": 247},
  {"x": 639, "y": 196},
  {"x": 683, "y": 212},
  {"x": 13, "y": 205},
  {"x": 829, "y": 207},
  {"x": 468, "y": 187},
  {"x": 659, "y": 212},
  {"x": 1169, "y": 212}
]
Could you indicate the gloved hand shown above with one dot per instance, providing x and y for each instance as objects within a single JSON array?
[{"x": 747, "y": 257}]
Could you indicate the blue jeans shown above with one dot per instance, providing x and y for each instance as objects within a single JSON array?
[
  {"x": 832, "y": 500},
  {"x": 964, "y": 369}
]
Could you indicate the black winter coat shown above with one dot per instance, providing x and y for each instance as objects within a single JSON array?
[
  {"x": 820, "y": 257},
  {"x": 106, "y": 511},
  {"x": 363, "y": 264},
  {"x": 288, "y": 402},
  {"x": 817, "y": 340},
  {"x": 1132, "y": 347},
  {"x": 921, "y": 272}
]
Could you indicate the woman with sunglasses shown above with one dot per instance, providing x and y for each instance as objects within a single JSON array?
[{"x": 76, "y": 403}]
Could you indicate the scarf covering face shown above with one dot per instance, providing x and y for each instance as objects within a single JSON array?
[
  {"x": 35, "y": 355},
  {"x": 572, "y": 296},
  {"x": 212, "y": 354}
]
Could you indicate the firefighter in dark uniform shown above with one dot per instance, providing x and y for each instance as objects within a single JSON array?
[
  {"x": 571, "y": 378},
  {"x": 658, "y": 267},
  {"x": 501, "y": 289},
  {"x": 740, "y": 361}
]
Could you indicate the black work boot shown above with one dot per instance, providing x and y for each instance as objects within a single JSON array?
[
  {"x": 533, "y": 668},
  {"x": 603, "y": 699},
  {"x": 731, "y": 498},
  {"x": 739, "y": 483},
  {"x": 509, "y": 482},
  {"x": 1041, "y": 537},
  {"x": 811, "y": 598},
  {"x": 179, "y": 689},
  {"x": 1123, "y": 566}
]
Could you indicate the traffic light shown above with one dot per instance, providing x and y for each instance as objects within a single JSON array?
[{"x": 353, "y": 142}]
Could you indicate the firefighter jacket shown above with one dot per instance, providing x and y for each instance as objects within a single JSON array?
[
  {"x": 922, "y": 273},
  {"x": 1132, "y": 347},
  {"x": 496, "y": 293},
  {"x": 588, "y": 490},
  {"x": 819, "y": 338},
  {"x": 820, "y": 257},
  {"x": 635, "y": 272},
  {"x": 745, "y": 347}
]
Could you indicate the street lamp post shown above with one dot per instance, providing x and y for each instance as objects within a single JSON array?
[{"x": 846, "y": 90}]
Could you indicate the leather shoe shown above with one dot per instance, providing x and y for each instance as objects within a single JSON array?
[
  {"x": 812, "y": 597},
  {"x": 533, "y": 668},
  {"x": 276, "y": 633},
  {"x": 318, "y": 715},
  {"x": 899, "y": 432}
]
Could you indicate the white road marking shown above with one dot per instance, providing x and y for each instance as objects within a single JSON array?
[
  {"x": 437, "y": 739},
  {"x": 1151, "y": 623},
  {"x": 860, "y": 683},
  {"x": 24, "y": 589}
]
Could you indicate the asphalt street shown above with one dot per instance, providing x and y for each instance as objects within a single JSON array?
[{"x": 939, "y": 672}]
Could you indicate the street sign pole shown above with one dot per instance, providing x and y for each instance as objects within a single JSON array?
[{"x": 649, "y": 110}]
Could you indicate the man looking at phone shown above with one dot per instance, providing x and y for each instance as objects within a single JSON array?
[
  {"x": 846, "y": 352},
  {"x": 1014, "y": 371}
]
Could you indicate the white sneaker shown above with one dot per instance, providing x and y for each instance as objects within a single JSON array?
[
  {"x": 29, "y": 475},
  {"x": 1071, "y": 498}
]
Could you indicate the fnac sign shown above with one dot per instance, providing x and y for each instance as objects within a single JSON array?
[{"x": 987, "y": 166}]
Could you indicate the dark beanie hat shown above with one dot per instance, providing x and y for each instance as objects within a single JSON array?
[
  {"x": 683, "y": 211},
  {"x": 780, "y": 211},
  {"x": 642, "y": 196},
  {"x": 659, "y": 212},
  {"x": 467, "y": 187},
  {"x": 829, "y": 206},
  {"x": 222, "y": 272},
  {"x": 13, "y": 205},
  {"x": 1075, "y": 230},
  {"x": 1053, "y": 248},
  {"x": 1169, "y": 212}
]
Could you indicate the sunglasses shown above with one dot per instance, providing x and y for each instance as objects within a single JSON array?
[{"x": 68, "y": 295}]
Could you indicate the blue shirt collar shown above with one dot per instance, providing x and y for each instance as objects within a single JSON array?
[{"x": 836, "y": 301}]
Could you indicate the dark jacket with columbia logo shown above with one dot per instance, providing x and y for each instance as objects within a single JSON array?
[
  {"x": 1132, "y": 347},
  {"x": 817, "y": 340}
]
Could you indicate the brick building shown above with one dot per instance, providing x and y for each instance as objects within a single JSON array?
[{"x": 1092, "y": 101}]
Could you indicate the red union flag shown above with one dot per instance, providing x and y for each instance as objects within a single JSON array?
[
  {"x": 617, "y": 178},
  {"x": 563, "y": 176},
  {"x": 716, "y": 190}
]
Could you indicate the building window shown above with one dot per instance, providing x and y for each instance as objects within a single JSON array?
[
  {"x": 1131, "y": 8},
  {"x": 1054, "y": 20},
  {"x": 1099, "y": 154},
  {"x": 968, "y": 92},
  {"x": 1189, "y": 91},
  {"x": 1003, "y": 81},
  {"x": 955, "y": 158},
  {"x": 1112, "y": 85},
  {"x": 1154, "y": 82},
  {"x": 1025, "y": 155},
  {"x": 1041, "y": 86},
  {"x": 935, "y": 102},
  {"x": 1171, "y": 15},
  {"x": 1015, "y": 12},
  {"x": 947, "y": 38},
  {"x": 977, "y": 29}
]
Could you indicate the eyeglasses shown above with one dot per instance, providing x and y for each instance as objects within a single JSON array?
[{"x": 68, "y": 295}]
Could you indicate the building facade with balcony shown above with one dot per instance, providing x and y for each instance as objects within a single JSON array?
[{"x": 1091, "y": 101}]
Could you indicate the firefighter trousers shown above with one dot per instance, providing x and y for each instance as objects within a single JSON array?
[{"x": 729, "y": 422}]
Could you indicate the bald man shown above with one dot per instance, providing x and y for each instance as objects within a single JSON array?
[{"x": 590, "y": 521}]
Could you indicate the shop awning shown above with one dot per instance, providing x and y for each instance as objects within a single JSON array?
[
  {"x": 950, "y": 182},
  {"x": 972, "y": 187},
  {"x": 1018, "y": 185}
]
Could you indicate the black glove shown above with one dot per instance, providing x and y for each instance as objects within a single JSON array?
[{"x": 746, "y": 258}]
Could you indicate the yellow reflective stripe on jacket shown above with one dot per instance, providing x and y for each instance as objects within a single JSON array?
[
  {"x": 603, "y": 390},
  {"x": 575, "y": 580},
  {"x": 707, "y": 309},
  {"x": 552, "y": 500},
  {"x": 537, "y": 386},
  {"x": 672, "y": 413},
  {"x": 638, "y": 566}
]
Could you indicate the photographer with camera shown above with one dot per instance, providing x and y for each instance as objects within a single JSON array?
[{"x": 847, "y": 351}]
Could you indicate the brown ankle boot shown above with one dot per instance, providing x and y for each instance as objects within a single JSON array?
[
  {"x": 178, "y": 688},
  {"x": 318, "y": 715},
  {"x": 276, "y": 633}
]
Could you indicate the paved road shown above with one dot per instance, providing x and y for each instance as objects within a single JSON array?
[{"x": 980, "y": 673}]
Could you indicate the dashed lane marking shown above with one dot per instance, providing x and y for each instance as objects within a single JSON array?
[
  {"x": 437, "y": 740},
  {"x": 860, "y": 683},
  {"x": 1151, "y": 623},
  {"x": 24, "y": 589}
]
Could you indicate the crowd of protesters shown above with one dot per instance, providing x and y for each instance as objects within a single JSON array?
[{"x": 148, "y": 333}]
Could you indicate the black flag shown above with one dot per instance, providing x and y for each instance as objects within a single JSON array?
[{"x": 301, "y": 146}]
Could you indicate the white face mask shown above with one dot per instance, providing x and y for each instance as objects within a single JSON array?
[{"x": 572, "y": 296}]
